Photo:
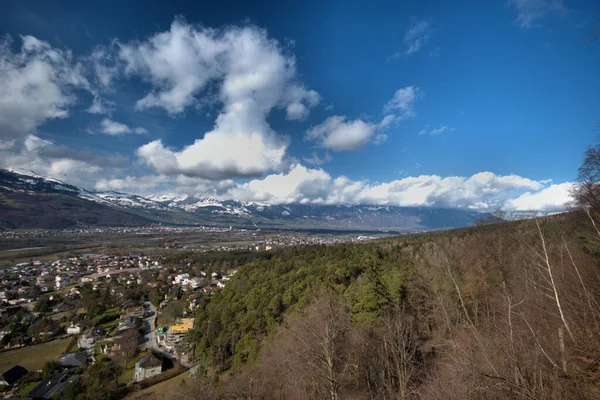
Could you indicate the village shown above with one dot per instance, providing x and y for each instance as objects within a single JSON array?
[
  {"x": 134, "y": 309},
  {"x": 130, "y": 308}
]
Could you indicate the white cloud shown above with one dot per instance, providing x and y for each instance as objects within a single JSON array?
[
  {"x": 299, "y": 185},
  {"x": 417, "y": 36},
  {"x": 61, "y": 162},
  {"x": 114, "y": 128},
  {"x": 552, "y": 198},
  {"x": 387, "y": 121},
  {"x": 36, "y": 84},
  {"x": 241, "y": 145},
  {"x": 338, "y": 134},
  {"x": 238, "y": 67},
  {"x": 101, "y": 106},
  {"x": 404, "y": 101},
  {"x": 531, "y": 12},
  {"x": 6, "y": 144},
  {"x": 481, "y": 191},
  {"x": 153, "y": 184},
  {"x": 435, "y": 131},
  {"x": 299, "y": 100},
  {"x": 105, "y": 65},
  {"x": 182, "y": 63},
  {"x": 137, "y": 184},
  {"x": 316, "y": 160}
]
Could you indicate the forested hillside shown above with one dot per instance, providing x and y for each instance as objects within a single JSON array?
[{"x": 499, "y": 311}]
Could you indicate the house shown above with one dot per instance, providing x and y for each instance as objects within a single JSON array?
[
  {"x": 78, "y": 360},
  {"x": 99, "y": 332},
  {"x": 110, "y": 349},
  {"x": 89, "y": 337},
  {"x": 74, "y": 329},
  {"x": 181, "y": 277},
  {"x": 129, "y": 304},
  {"x": 193, "y": 283},
  {"x": 134, "y": 312},
  {"x": 147, "y": 367},
  {"x": 62, "y": 281},
  {"x": 129, "y": 323},
  {"x": 62, "y": 307},
  {"x": 4, "y": 331},
  {"x": 19, "y": 341},
  {"x": 12, "y": 375}
]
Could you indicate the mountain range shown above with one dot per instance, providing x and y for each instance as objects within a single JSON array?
[{"x": 29, "y": 200}]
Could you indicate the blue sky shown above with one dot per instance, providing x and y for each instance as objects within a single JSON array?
[{"x": 465, "y": 104}]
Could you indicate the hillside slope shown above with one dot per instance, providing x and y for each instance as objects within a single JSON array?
[{"x": 495, "y": 312}]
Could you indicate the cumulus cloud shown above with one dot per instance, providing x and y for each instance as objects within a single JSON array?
[
  {"x": 152, "y": 184},
  {"x": 339, "y": 133},
  {"x": 137, "y": 184},
  {"x": 36, "y": 84},
  {"x": 6, "y": 144},
  {"x": 299, "y": 100},
  {"x": 241, "y": 145},
  {"x": 530, "y": 13},
  {"x": 299, "y": 185},
  {"x": 238, "y": 67},
  {"x": 552, "y": 198},
  {"x": 435, "y": 131},
  {"x": 478, "y": 191},
  {"x": 49, "y": 159},
  {"x": 481, "y": 191},
  {"x": 417, "y": 36}
]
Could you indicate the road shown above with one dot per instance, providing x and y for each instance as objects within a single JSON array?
[{"x": 150, "y": 337}]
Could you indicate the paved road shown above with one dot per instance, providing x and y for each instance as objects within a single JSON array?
[{"x": 150, "y": 337}]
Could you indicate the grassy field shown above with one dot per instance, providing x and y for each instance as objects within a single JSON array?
[
  {"x": 33, "y": 357},
  {"x": 161, "y": 390}
]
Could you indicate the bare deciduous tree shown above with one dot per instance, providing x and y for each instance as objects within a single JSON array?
[{"x": 128, "y": 342}]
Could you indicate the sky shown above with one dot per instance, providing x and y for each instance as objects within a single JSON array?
[{"x": 466, "y": 104}]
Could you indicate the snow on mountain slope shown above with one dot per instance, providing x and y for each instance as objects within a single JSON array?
[
  {"x": 205, "y": 209},
  {"x": 28, "y": 181},
  {"x": 130, "y": 200},
  {"x": 187, "y": 202}
]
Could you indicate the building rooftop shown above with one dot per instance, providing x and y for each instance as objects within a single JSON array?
[{"x": 148, "y": 361}]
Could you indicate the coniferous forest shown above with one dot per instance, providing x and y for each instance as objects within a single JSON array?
[{"x": 508, "y": 310}]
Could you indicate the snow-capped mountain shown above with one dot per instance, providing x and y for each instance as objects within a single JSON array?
[
  {"x": 69, "y": 204},
  {"x": 186, "y": 202},
  {"x": 17, "y": 180},
  {"x": 130, "y": 200}
]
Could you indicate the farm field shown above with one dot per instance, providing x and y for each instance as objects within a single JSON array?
[{"x": 33, "y": 357}]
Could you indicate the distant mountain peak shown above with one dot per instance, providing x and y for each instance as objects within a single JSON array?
[{"x": 197, "y": 208}]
